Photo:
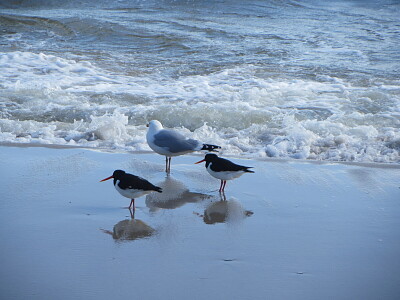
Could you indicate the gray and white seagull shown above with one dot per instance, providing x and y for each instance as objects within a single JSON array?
[{"x": 171, "y": 143}]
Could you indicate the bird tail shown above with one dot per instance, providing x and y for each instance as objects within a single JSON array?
[
  {"x": 210, "y": 148},
  {"x": 158, "y": 189},
  {"x": 248, "y": 171}
]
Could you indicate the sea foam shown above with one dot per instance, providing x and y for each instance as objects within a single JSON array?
[{"x": 49, "y": 99}]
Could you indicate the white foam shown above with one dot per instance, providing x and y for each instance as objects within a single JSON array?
[{"x": 48, "y": 99}]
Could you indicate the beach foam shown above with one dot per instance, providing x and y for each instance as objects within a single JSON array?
[{"x": 50, "y": 100}]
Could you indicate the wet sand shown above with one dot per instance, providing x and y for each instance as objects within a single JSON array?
[{"x": 292, "y": 230}]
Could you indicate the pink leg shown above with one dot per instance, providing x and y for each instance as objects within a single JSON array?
[
  {"x": 132, "y": 213},
  {"x": 132, "y": 205},
  {"x": 223, "y": 187},
  {"x": 220, "y": 187},
  {"x": 222, "y": 195}
]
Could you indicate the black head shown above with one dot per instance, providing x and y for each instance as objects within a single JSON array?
[
  {"x": 210, "y": 157},
  {"x": 118, "y": 174}
]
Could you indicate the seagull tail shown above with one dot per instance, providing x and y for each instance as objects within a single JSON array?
[
  {"x": 158, "y": 189},
  {"x": 210, "y": 148}
]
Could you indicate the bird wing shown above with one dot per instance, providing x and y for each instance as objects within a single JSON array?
[
  {"x": 135, "y": 182},
  {"x": 174, "y": 141},
  {"x": 224, "y": 164}
]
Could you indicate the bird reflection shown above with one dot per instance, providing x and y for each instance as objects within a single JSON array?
[
  {"x": 129, "y": 230},
  {"x": 225, "y": 211},
  {"x": 175, "y": 194}
]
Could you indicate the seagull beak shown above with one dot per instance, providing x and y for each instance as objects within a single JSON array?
[
  {"x": 107, "y": 178},
  {"x": 200, "y": 161}
]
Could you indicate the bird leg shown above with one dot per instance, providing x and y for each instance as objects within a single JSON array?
[
  {"x": 132, "y": 213},
  {"x": 222, "y": 195},
  {"x": 132, "y": 205},
  {"x": 222, "y": 187},
  {"x": 167, "y": 164}
]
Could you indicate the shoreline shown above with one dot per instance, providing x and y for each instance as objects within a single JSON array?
[{"x": 266, "y": 159}]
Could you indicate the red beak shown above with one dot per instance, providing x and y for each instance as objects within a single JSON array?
[
  {"x": 107, "y": 178},
  {"x": 200, "y": 161}
]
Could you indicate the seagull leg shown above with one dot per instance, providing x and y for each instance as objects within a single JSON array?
[
  {"x": 168, "y": 165},
  {"x": 220, "y": 187},
  {"x": 132, "y": 205}
]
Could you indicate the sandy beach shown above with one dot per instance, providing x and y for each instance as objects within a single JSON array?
[
  {"x": 306, "y": 92},
  {"x": 291, "y": 230}
]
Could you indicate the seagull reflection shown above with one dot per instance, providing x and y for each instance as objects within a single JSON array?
[
  {"x": 175, "y": 194},
  {"x": 225, "y": 211},
  {"x": 129, "y": 230}
]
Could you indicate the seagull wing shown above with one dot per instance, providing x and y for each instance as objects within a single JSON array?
[{"x": 174, "y": 141}]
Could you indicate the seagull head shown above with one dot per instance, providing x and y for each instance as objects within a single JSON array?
[{"x": 154, "y": 125}]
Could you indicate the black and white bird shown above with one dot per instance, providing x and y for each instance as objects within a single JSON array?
[
  {"x": 223, "y": 169},
  {"x": 131, "y": 186},
  {"x": 171, "y": 143}
]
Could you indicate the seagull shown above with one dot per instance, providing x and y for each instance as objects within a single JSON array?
[
  {"x": 171, "y": 143},
  {"x": 131, "y": 186},
  {"x": 223, "y": 169}
]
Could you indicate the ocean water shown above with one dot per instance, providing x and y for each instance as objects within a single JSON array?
[{"x": 303, "y": 79}]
